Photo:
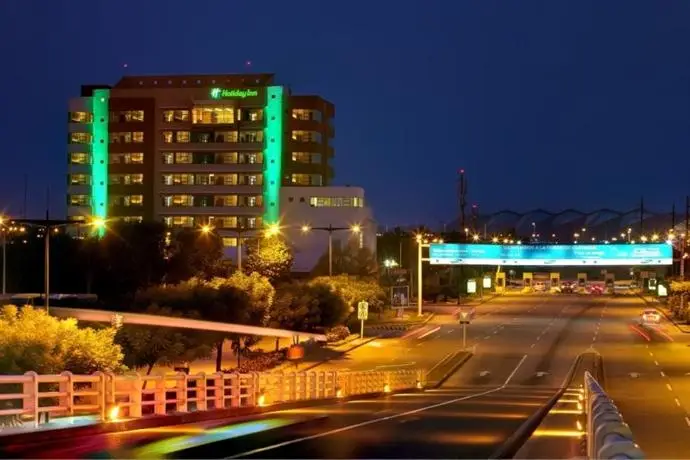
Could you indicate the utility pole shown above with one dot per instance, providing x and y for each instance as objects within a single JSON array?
[
  {"x": 462, "y": 197},
  {"x": 641, "y": 216}
]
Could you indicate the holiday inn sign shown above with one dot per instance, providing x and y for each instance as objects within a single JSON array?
[{"x": 222, "y": 93}]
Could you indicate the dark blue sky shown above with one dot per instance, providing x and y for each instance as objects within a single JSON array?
[{"x": 550, "y": 104}]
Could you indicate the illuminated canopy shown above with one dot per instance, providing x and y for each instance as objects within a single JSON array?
[{"x": 576, "y": 255}]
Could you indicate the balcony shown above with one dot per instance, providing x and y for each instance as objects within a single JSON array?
[{"x": 212, "y": 146}]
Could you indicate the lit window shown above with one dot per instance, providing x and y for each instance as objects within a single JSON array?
[
  {"x": 133, "y": 158},
  {"x": 225, "y": 222},
  {"x": 134, "y": 115},
  {"x": 226, "y": 158},
  {"x": 168, "y": 116},
  {"x": 182, "y": 136},
  {"x": 306, "y": 136},
  {"x": 178, "y": 179},
  {"x": 251, "y": 137},
  {"x": 179, "y": 221},
  {"x": 301, "y": 157},
  {"x": 222, "y": 201},
  {"x": 168, "y": 158},
  {"x": 79, "y": 200},
  {"x": 216, "y": 115},
  {"x": 137, "y": 137},
  {"x": 81, "y": 117},
  {"x": 183, "y": 158},
  {"x": 80, "y": 138},
  {"x": 229, "y": 242},
  {"x": 79, "y": 179},
  {"x": 251, "y": 158},
  {"x": 181, "y": 115},
  {"x": 132, "y": 219},
  {"x": 80, "y": 158},
  {"x": 168, "y": 137},
  {"x": 256, "y": 114},
  {"x": 133, "y": 200}
]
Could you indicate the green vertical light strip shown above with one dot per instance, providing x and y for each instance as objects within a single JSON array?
[
  {"x": 99, "y": 156},
  {"x": 273, "y": 154}
]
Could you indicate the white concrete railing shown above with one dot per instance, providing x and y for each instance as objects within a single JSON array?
[
  {"x": 133, "y": 395},
  {"x": 608, "y": 436}
]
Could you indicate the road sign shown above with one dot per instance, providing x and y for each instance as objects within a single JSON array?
[
  {"x": 363, "y": 310},
  {"x": 465, "y": 317}
]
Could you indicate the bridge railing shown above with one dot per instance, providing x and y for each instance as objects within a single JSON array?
[
  {"x": 33, "y": 397},
  {"x": 608, "y": 436}
]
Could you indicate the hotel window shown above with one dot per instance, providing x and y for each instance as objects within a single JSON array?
[
  {"x": 226, "y": 158},
  {"x": 133, "y": 200},
  {"x": 178, "y": 179},
  {"x": 80, "y": 138},
  {"x": 138, "y": 137},
  {"x": 251, "y": 158},
  {"x": 336, "y": 202},
  {"x": 205, "y": 179},
  {"x": 213, "y": 115},
  {"x": 133, "y": 179},
  {"x": 306, "y": 136},
  {"x": 133, "y": 158},
  {"x": 185, "y": 158},
  {"x": 251, "y": 179},
  {"x": 255, "y": 114},
  {"x": 225, "y": 136},
  {"x": 227, "y": 179},
  {"x": 80, "y": 117},
  {"x": 134, "y": 115},
  {"x": 171, "y": 116},
  {"x": 127, "y": 138},
  {"x": 307, "y": 179},
  {"x": 301, "y": 157},
  {"x": 177, "y": 201},
  {"x": 79, "y": 200},
  {"x": 79, "y": 158},
  {"x": 133, "y": 219},
  {"x": 182, "y": 137},
  {"x": 79, "y": 179},
  {"x": 179, "y": 221},
  {"x": 225, "y": 222},
  {"x": 252, "y": 201},
  {"x": 247, "y": 137},
  {"x": 229, "y": 242},
  {"x": 222, "y": 201},
  {"x": 306, "y": 114},
  {"x": 168, "y": 137},
  {"x": 252, "y": 222}
]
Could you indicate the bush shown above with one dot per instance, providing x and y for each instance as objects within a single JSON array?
[
  {"x": 337, "y": 333},
  {"x": 259, "y": 362}
]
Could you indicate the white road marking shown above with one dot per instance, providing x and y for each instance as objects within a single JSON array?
[
  {"x": 677, "y": 402},
  {"x": 484, "y": 373},
  {"x": 656, "y": 362},
  {"x": 429, "y": 333},
  {"x": 669, "y": 387},
  {"x": 662, "y": 374},
  {"x": 487, "y": 337},
  {"x": 687, "y": 420},
  {"x": 382, "y": 419},
  {"x": 532, "y": 346}
]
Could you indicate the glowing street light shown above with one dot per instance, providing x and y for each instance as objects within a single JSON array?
[
  {"x": 206, "y": 229},
  {"x": 475, "y": 237},
  {"x": 272, "y": 230},
  {"x": 355, "y": 229},
  {"x": 3, "y": 230}
]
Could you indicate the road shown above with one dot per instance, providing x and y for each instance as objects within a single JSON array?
[
  {"x": 648, "y": 376},
  {"x": 525, "y": 346}
]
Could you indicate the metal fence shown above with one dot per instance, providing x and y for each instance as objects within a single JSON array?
[
  {"x": 608, "y": 436},
  {"x": 32, "y": 397}
]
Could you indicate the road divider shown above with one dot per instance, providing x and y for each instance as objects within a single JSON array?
[
  {"x": 445, "y": 368},
  {"x": 428, "y": 333}
]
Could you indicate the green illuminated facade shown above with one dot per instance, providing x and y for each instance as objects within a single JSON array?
[
  {"x": 99, "y": 155},
  {"x": 273, "y": 153}
]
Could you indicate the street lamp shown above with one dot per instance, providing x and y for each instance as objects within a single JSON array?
[
  {"x": 96, "y": 223},
  {"x": 355, "y": 229},
  {"x": 3, "y": 229}
]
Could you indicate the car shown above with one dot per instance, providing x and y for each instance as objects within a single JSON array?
[
  {"x": 651, "y": 316},
  {"x": 596, "y": 289},
  {"x": 567, "y": 288},
  {"x": 539, "y": 287}
]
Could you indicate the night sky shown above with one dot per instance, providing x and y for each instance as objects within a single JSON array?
[{"x": 551, "y": 104}]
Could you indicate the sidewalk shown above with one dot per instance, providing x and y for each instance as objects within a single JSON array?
[{"x": 315, "y": 355}]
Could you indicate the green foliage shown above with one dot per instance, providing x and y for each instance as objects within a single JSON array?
[
  {"x": 146, "y": 346},
  {"x": 680, "y": 287},
  {"x": 353, "y": 290},
  {"x": 308, "y": 306},
  {"x": 259, "y": 289},
  {"x": 31, "y": 340},
  {"x": 349, "y": 259},
  {"x": 270, "y": 257},
  {"x": 195, "y": 254}
]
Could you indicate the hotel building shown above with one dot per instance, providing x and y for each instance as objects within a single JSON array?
[{"x": 194, "y": 150}]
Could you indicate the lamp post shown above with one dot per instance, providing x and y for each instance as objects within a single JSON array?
[
  {"x": 3, "y": 229},
  {"x": 48, "y": 228},
  {"x": 355, "y": 229}
]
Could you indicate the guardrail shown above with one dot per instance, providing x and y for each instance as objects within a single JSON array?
[
  {"x": 31, "y": 397},
  {"x": 608, "y": 436}
]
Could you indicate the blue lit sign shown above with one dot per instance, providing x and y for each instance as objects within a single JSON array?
[{"x": 576, "y": 255}]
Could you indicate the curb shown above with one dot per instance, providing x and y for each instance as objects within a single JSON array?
[
  {"x": 656, "y": 303},
  {"x": 366, "y": 341},
  {"x": 454, "y": 368}
]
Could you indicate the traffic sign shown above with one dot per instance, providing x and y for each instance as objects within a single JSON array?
[
  {"x": 465, "y": 317},
  {"x": 363, "y": 310}
]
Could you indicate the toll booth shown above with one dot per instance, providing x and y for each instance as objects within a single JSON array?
[
  {"x": 582, "y": 280},
  {"x": 500, "y": 282},
  {"x": 610, "y": 280},
  {"x": 527, "y": 279},
  {"x": 555, "y": 279}
]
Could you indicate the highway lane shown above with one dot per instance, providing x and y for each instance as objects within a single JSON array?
[
  {"x": 469, "y": 417},
  {"x": 648, "y": 376}
]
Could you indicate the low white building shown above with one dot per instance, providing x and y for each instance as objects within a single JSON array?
[{"x": 340, "y": 208}]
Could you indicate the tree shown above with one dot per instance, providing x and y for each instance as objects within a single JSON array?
[
  {"x": 270, "y": 257},
  {"x": 146, "y": 346},
  {"x": 349, "y": 259},
  {"x": 307, "y": 306},
  {"x": 195, "y": 254},
  {"x": 353, "y": 290}
]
